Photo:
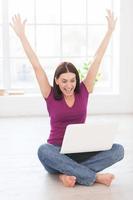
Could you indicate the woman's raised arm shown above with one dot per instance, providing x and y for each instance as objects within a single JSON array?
[
  {"x": 19, "y": 28},
  {"x": 91, "y": 75}
]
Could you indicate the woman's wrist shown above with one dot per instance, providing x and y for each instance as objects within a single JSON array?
[
  {"x": 22, "y": 36},
  {"x": 110, "y": 31}
]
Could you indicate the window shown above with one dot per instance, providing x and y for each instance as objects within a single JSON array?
[
  {"x": 1, "y": 68},
  {"x": 59, "y": 30}
]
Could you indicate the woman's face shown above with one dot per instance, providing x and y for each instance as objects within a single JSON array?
[{"x": 67, "y": 83}]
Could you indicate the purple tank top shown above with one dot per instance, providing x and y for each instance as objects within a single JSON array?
[{"x": 61, "y": 114}]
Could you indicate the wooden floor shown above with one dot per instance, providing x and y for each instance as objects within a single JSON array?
[{"x": 23, "y": 178}]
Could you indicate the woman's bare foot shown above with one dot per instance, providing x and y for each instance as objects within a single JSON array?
[
  {"x": 105, "y": 179},
  {"x": 68, "y": 181}
]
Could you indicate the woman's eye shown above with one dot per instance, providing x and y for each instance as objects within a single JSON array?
[
  {"x": 73, "y": 80},
  {"x": 64, "y": 81}
]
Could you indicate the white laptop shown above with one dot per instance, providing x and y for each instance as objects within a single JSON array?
[{"x": 88, "y": 137}]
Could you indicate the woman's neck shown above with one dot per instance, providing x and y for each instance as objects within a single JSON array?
[{"x": 69, "y": 97}]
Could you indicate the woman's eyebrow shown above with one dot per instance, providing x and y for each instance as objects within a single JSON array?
[
  {"x": 68, "y": 79},
  {"x": 73, "y": 78}
]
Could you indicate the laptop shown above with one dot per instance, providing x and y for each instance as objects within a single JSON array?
[{"x": 88, "y": 137}]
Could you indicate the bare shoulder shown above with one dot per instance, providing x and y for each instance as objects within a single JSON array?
[
  {"x": 47, "y": 92},
  {"x": 43, "y": 82},
  {"x": 88, "y": 87}
]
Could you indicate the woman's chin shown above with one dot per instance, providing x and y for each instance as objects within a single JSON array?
[{"x": 68, "y": 94}]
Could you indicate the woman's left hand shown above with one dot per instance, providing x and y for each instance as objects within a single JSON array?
[{"x": 111, "y": 20}]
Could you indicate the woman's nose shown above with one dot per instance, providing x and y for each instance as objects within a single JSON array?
[{"x": 69, "y": 85}]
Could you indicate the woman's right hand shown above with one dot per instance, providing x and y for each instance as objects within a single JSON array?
[{"x": 18, "y": 25}]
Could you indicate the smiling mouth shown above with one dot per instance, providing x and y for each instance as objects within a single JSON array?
[{"x": 68, "y": 90}]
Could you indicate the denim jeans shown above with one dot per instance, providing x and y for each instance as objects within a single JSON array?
[{"x": 85, "y": 172}]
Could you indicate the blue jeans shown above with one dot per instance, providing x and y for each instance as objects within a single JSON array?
[{"x": 85, "y": 172}]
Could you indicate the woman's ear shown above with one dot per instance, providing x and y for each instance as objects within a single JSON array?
[{"x": 56, "y": 81}]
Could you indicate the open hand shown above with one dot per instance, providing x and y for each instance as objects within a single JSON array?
[
  {"x": 18, "y": 25},
  {"x": 111, "y": 20}
]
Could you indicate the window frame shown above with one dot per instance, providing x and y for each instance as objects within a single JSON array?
[{"x": 114, "y": 88}]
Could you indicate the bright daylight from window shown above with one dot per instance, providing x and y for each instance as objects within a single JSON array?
[{"x": 58, "y": 30}]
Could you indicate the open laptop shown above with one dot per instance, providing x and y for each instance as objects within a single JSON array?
[{"x": 88, "y": 137}]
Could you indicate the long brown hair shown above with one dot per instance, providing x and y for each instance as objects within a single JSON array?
[{"x": 64, "y": 68}]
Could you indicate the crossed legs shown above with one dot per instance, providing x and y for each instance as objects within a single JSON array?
[{"x": 85, "y": 173}]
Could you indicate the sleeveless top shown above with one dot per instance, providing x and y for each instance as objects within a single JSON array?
[{"x": 62, "y": 115}]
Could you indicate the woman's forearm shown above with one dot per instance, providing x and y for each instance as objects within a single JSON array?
[
  {"x": 30, "y": 52},
  {"x": 98, "y": 56},
  {"x": 103, "y": 46}
]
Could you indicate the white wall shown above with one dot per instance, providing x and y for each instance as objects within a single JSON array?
[{"x": 122, "y": 103}]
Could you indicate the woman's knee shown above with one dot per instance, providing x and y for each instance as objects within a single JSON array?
[
  {"x": 118, "y": 152},
  {"x": 47, "y": 151},
  {"x": 42, "y": 152}
]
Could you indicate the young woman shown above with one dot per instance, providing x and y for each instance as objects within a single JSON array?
[{"x": 67, "y": 104}]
